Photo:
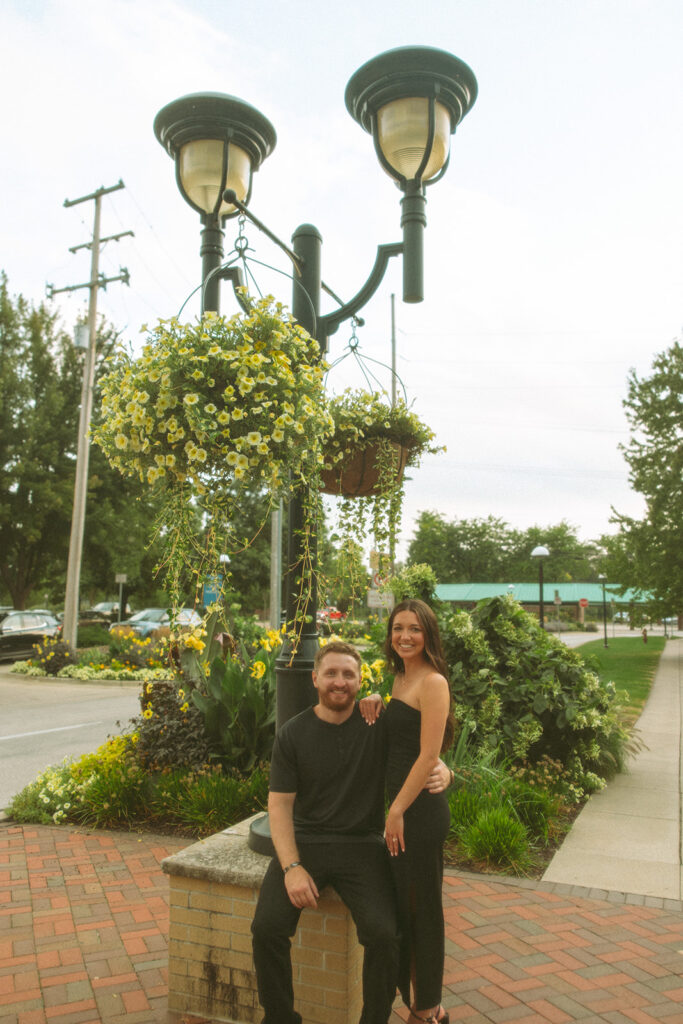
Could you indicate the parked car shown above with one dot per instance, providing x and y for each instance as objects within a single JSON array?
[
  {"x": 19, "y": 631},
  {"x": 151, "y": 620},
  {"x": 109, "y": 610}
]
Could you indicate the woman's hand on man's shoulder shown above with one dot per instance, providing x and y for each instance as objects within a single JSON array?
[{"x": 371, "y": 707}]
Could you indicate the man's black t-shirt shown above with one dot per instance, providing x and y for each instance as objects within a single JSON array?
[{"x": 337, "y": 773}]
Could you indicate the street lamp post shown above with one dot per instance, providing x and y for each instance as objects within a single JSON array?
[
  {"x": 410, "y": 100},
  {"x": 540, "y": 553},
  {"x": 217, "y": 142},
  {"x": 603, "y": 580}
]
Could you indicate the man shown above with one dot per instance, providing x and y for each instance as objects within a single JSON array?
[{"x": 326, "y": 809}]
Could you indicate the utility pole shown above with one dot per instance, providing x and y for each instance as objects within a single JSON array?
[{"x": 97, "y": 281}]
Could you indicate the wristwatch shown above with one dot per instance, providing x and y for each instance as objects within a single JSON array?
[{"x": 294, "y": 864}]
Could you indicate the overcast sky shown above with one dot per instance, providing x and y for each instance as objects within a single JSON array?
[{"x": 554, "y": 257}]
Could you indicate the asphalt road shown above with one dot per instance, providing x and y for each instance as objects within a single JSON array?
[{"x": 42, "y": 722}]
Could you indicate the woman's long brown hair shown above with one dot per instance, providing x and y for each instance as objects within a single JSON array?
[{"x": 433, "y": 651}]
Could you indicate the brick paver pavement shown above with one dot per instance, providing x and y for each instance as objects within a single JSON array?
[{"x": 84, "y": 921}]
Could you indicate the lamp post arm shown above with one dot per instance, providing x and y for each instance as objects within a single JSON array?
[{"x": 329, "y": 323}]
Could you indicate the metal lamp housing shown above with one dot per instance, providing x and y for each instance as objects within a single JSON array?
[
  {"x": 217, "y": 142},
  {"x": 411, "y": 100}
]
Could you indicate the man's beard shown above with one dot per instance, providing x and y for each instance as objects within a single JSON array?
[{"x": 336, "y": 703}]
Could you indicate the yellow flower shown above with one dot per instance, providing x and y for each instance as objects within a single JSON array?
[
  {"x": 258, "y": 670},
  {"x": 147, "y": 713},
  {"x": 191, "y": 399},
  {"x": 121, "y": 441},
  {"x": 253, "y": 437}
]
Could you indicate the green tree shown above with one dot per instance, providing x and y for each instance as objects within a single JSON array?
[
  {"x": 435, "y": 543},
  {"x": 464, "y": 550},
  {"x": 648, "y": 553},
  {"x": 569, "y": 558},
  {"x": 39, "y": 397},
  {"x": 489, "y": 550},
  {"x": 40, "y": 390}
]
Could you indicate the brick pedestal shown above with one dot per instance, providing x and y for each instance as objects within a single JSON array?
[{"x": 214, "y": 886}]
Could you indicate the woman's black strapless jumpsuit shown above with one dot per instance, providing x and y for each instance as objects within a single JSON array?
[{"x": 418, "y": 873}]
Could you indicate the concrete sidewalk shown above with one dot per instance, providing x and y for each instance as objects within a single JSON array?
[{"x": 628, "y": 837}]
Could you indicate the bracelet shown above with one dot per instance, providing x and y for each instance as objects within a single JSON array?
[
  {"x": 452, "y": 777},
  {"x": 294, "y": 864}
]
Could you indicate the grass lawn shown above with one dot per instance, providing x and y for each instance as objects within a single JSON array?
[{"x": 628, "y": 663}]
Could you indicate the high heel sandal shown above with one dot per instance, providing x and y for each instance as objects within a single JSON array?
[{"x": 433, "y": 1018}]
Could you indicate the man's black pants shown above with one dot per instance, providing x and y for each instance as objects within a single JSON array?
[{"x": 359, "y": 872}]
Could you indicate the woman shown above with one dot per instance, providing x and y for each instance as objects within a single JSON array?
[{"x": 420, "y": 726}]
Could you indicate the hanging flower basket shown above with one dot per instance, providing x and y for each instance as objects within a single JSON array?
[
  {"x": 364, "y": 462},
  {"x": 359, "y": 474},
  {"x": 212, "y": 408}
]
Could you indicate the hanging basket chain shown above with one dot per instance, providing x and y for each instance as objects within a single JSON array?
[{"x": 371, "y": 379}]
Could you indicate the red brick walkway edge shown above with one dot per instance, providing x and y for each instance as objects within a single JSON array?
[{"x": 84, "y": 924}]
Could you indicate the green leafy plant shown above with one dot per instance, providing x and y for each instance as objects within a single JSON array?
[
  {"x": 237, "y": 700},
  {"x": 498, "y": 838},
  {"x": 51, "y": 655},
  {"x": 110, "y": 788},
  {"x": 208, "y": 799},
  {"x": 126, "y": 650},
  {"x": 414, "y": 581},
  {"x": 365, "y": 456},
  {"x": 92, "y": 636},
  {"x": 170, "y": 729},
  {"x": 522, "y": 693}
]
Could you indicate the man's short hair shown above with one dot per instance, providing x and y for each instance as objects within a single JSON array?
[{"x": 336, "y": 647}]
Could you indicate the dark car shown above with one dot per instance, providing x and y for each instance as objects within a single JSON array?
[{"x": 19, "y": 631}]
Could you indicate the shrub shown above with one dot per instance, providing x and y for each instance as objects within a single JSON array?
[
  {"x": 209, "y": 799},
  {"x": 170, "y": 729},
  {"x": 129, "y": 651},
  {"x": 109, "y": 788},
  {"x": 497, "y": 838},
  {"x": 93, "y": 636},
  {"x": 51, "y": 655},
  {"x": 49, "y": 799},
  {"x": 115, "y": 794},
  {"x": 525, "y": 695}
]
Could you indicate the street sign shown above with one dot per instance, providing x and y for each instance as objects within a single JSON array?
[
  {"x": 380, "y": 599},
  {"x": 583, "y": 602},
  {"x": 121, "y": 577}
]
